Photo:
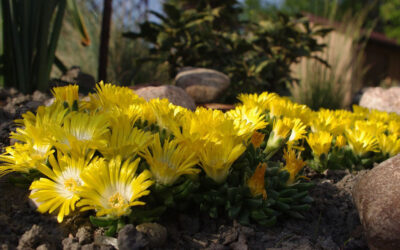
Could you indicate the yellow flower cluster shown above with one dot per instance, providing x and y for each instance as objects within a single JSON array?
[
  {"x": 89, "y": 151},
  {"x": 99, "y": 142},
  {"x": 362, "y": 130}
]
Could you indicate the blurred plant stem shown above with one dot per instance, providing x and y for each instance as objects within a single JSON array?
[{"x": 104, "y": 40}]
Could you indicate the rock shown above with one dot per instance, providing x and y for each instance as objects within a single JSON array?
[
  {"x": 129, "y": 238},
  {"x": 381, "y": 99},
  {"x": 204, "y": 85},
  {"x": 39, "y": 96},
  {"x": 70, "y": 243},
  {"x": 155, "y": 233},
  {"x": 144, "y": 85},
  {"x": 241, "y": 244},
  {"x": 377, "y": 198},
  {"x": 84, "y": 235},
  {"x": 105, "y": 242},
  {"x": 43, "y": 247},
  {"x": 219, "y": 106},
  {"x": 31, "y": 238},
  {"x": 174, "y": 94},
  {"x": 74, "y": 75},
  {"x": 33, "y": 105}
]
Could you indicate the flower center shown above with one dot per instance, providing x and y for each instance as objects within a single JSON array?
[
  {"x": 70, "y": 184},
  {"x": 116, "y": 200}
]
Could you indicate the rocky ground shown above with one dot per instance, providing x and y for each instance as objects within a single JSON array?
[{"x": 332, "y": 223}]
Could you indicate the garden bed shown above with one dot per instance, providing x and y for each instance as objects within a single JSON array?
[{"x": 332, "y": 222}]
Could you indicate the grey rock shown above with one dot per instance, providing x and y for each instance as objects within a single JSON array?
[
  {"x": 381, "y": 99},
  {"x": 129, "y": 238},
  {"x": 84, "y": 235},
  {"x": 43, "y": 247},
  {"x": 174, "y": 94},
  {"x": 33, "y": 105},
  {"x": 155, "y": 233},
  {"x": 31, "y": 238},
  {"x": 74, "y": 75},
  {"x": 204, "y": 85},
  {"x": 39, "y": 96},
  {"x": 90, "y": 246},
  {"x": 241, "y": 244},
  {"x": 70, "y": 243},
  {"x": 105, "y": 241},
  {"x": 377, "y": 198}
]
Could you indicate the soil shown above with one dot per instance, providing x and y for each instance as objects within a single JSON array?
[{"x": 332, "y": 222}]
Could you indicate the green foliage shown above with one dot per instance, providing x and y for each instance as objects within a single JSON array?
[
  {"x": 256, "y": 56},
  {"x": 234, "y": 199},
  {"x": 30, "y": 35},
  {"x": 390, "y": 12},
  {"x": 30, "y": 41}
]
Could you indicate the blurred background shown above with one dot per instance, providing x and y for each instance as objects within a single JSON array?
[{"x": 317, "y": 52}]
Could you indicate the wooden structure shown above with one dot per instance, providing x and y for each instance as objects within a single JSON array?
[{"x": 382, "y": 56}]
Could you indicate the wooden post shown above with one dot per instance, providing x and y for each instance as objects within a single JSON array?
[{"x": 104, "y": 40}]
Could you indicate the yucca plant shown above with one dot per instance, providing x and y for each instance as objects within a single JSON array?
[{"x": 31, "y": 30}]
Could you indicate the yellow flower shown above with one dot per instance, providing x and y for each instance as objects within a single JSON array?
[
  {"x": 216, "y": 158},
  {"x": 256, "y": 183},
  {"x": 169, "y": 161},
  {"x": 362, "y": 141},
  {"x": 340, "y": 141},
  {"x": 327, "y": 120},
  {"x": 279, "y": 134},
  {"x": 83, "y": 129},
  {"x": 23, "y": 157},
  {"x": 247, "y": 120},
  {"x": 389, "y": 144},
  {"x": 320, "y": 142},
  {"x": 282, "y": 127},
  {"x": 257, "y": 138},
  {"x": 298, "y": 131},
  {"x": 257, "y": 100},
  {"x": 60, "y": 190},
  {"x": 109, "y": 97},
  {"x": 45, "y": 117},
  {"x": 124, "y": 139},
  {"x": 278, "y": 107},
  {"x": 112, "y": 187},
  {"x": 68, "y": 94},
  {"x": 394, "y": 127},
  {"x": 35, "y": 149},
  {"x": 294, "y": 164},
  {"x": 167, "y": 115},
  {"x": 205, "y": 125}
]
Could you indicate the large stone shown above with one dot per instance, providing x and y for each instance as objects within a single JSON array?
[
  {"x": 381, "y": 99},
  {"x": 130, "y": 238},
  {"x": 204, "y": 85},
  {"x": 377, "y": 198},
  {"x": 174, "y": 94}
]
